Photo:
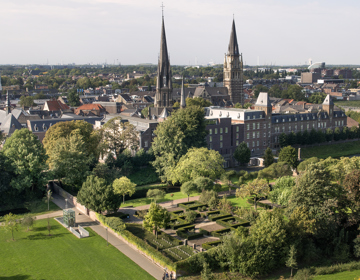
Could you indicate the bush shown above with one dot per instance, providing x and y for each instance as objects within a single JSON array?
[
  {"x": 220, "y": 232},
  {"x": 191, "y": 216},
  {"x": 211, "y": 244},
  {"x": 144, "y": 176},
  {"x": 115, "y": 223},
  {"x": 119, "y": 215},
  {"x": 226, "y": 223},
  {"x": 204, "y": 231},
  {"x": 194, "y": 264}
]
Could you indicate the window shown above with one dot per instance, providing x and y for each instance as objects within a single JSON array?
[
  {"x": 237, "y": 135},
  {"x": 277, "y": 120},
  {"x": 283, "y": 129},
  {"x": 247, "y": 144},
  {"x": 302, "y": 127},
  {"x": 210, "y": 131},
  {"x": 237, "y": 142},
  {"x": 295, "y": 127},
  {"x": 264, "y": 143},
  {"x": 221, "y": 137},
  {"x": 221, "y": 130},
  {"x": 237, "y": 129},
  {"x": 342, "y": 123},
  {"x": 215, "y": 130},
  {"x": 36, "y": 128},
  {"x": 258, "y": 135},
  {"x": 254, "y": 125},
  {"x": 269, "y": 134},
  {"x": 253, "y": 134},
  {"x": 318, "y": 125},
  {"x": 307, "y": 126},
  {"x": 226, "y": 129},
  {"x": 253, "y": 144},
  {"x": 221, "y": 144},
  {"x": 210, "y": 139},
  {"x": 264, "y": 125},
  {"x": 264, "y": 134},
  {"x": 269, "y": 126},
  {"x": 257, "y": 143},
  {"x": 290, "y": 128},
  {"x": 254, "y": 117},
  {"x": 146, "y": 144},
  {"x": 247, "y": 127},
  {"x": 313, "y": 125},
  {"x": 247, "y": 135},
  {"x": 325, "y": 124},
  {"x": 335, "y": 123},
  {"x": 258, "y": 125},
  {"x": 210, "y": 146}
]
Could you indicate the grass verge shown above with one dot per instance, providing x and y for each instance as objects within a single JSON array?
[
  {"x": 334, "y": 150},
  {"x": 35, "y": 255}
]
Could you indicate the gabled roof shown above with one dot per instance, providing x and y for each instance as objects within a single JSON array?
[
  {"x": 93, "y": 106},
  {"x": 56, "y": 105},
  {"x": 10, "y": 124}
]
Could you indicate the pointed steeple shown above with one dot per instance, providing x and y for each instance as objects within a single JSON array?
[
  {"x": 233, "y": 48},
  {"x": 7, "y": 108},
  {"x": 182, "y": 98}
]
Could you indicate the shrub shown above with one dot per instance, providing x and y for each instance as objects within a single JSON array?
[
  {"x": 211, "y": 244},
  {"x": 220, "y": 232},
  {"x": 204, "y": 231},
  {"x": 115, "y": 223},
  {"x": 190, "y": 216},
  {"x": 203, "y": 208}
]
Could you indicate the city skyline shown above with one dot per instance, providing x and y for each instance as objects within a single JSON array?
[{"x": 114, "y": 32}]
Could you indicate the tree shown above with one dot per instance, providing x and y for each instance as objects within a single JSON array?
[
  {"x": 63, "y": 130},
  {"x": 26, "y": 101},
  {"x": 123, "y": 186},
  {"x": 73, "y": 98},
  {"x": 7, "y": 172},
  {"x": 352, "y": 188},
  {"x": 176, "y": 105},
  {"x": 198, "y": 162},
  {"x": 291, "y": 261},
  {"x": 197, "y": 101},
  {"x": 203, "y": 183},
  {"x": 260, "y": 88},
  {"x": 11, "y": 224},
  {"x": 69, "y": 160},
  {"x": 28, "y": 221},
  {"x": 48, "y": 225},
  {"x": 242, "y": 153},
  {"x": 103, "y": 171},
  {"x": 257, "y": 188},
  {"x": 183, "y": 130},
  {"x": 155, "y": 194},
  {"x": 27, "y": 157},
  {"x": 156, "y": 218},
  {"x": 188, "y": 188},
  {"x": 283, "y": 140},
  {"x": 337, "y": 134},
  {"x": 268, "y": 157},
  {"x": 329, "y": 135},
  {"x": 118, "y": 136},
  {"x": 96, "y": 195},
  {"x": 289, "y": 156}
]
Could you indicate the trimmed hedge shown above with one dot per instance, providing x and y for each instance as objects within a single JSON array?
[
  {"x": 204, "y": 231},
  {"x": 177, "y": 212},
  {"x": 224, "y": 223},
  {"x": 195, "y": 207},
  {"x": 211, "y": 244},
  {"x": 212, "y": 218},
  {"x": 119, "y": 215},
  {"x": 218, "y": 233},
  {"x": 183, "y": 232},
  {"x": 180, "y": 225},
  {"x": 213, "y": 212},
  {"x": 142, "y": 245}
]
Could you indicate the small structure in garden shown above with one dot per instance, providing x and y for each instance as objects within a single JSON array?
[{"x": 69, "y": 217}]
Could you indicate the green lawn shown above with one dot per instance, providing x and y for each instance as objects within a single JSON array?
[
  {"x": 239, "y": 202},
  {"x": 334, "y": 150},
  {"x": 346, "y": 275},
  {"x": 354, "y": 103},
  {"x": 38, "y": 208},
  {"x": 144, "y": 201},
  {"x": 35, "y": 255}
]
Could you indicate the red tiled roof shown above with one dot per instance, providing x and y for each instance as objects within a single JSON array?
[
  {"x": 91, "y": 107},
  {"x": 55, "y": 105}
]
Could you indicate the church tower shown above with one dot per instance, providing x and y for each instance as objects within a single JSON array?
[
  {"x": 163, "y": 96},
  {"x": 233, "y": 70}
]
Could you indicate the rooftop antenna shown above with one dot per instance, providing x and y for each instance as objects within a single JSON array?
[{"x": 162, "y": 9}]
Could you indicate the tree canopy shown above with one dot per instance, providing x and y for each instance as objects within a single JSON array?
[
  {"x": 242, "y": 153},
  {"x": 156, "y": 218},
  {"x": 289, "y": 156},
  {"x": 123, "y": 186}
]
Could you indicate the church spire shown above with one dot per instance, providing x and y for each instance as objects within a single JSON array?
[
  {"x": 182, "y": 98},
  {"x": 233, "y": 48}
]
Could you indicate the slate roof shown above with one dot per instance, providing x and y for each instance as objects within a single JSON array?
[{"x": 9, "y": 124}]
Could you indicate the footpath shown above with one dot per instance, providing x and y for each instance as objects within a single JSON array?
[{"x": 84, "y": 221}]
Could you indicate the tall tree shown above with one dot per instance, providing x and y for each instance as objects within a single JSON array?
[
  {"x": 118, "y": 136},
  {"x": 155, "y": 194},
  {"x": 96, "y": 195},
  {"x": 27, "y": 156},
  {"x": 289, "y": 156},
  {"x": 283, "y": 140},
  {"x": 11, "y": 224},
  {"x": 197, "y": 162},
  {"x": 123, "y": 186},
  {"x": 188, "y": 188},
  {"x": 183, "y": 130},
  {"x": 268, "y": 157},
  {"x": 242, "y": 153},
  {"x": 73, "y": 98},
  {"x": 156, "y": 218}
]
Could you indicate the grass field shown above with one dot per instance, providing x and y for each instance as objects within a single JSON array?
[
  {"x": 35, "y": 255},
  {"x": 144, "y": 201},
  {"x": 334, "y": 150},
  {"x": 346, "y": 275},
  {"x": 354, "y": 103},
  {"x": 38, "y": 208},
  {"x": 239, "y": 202}
]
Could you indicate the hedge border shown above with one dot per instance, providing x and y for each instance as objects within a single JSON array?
[
  {"x": 208, "y": 245},
  {"x": 217, "y": 233},
  {"x": 219, "y": 217}
]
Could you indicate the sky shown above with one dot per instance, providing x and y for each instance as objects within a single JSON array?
[{"x": 277, "y": 32}]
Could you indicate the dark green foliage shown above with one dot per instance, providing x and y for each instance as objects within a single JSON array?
[
  {"x": 73, "y": 98},
  {"x": 203, "y": 183},
  {"x": 268, "y": 157},
  {"x": 211, "y": 244},
  {"x": 289, "y": 156},
  {"x": 283, "y": 140},
  {"x": 242, "y": 153}
]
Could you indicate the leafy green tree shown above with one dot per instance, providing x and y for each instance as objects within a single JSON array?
[
  {"x": 69, "y": 161},
  {"x": 27, "y": 157},
  {"x": 73, "y": 98},
  {"x": 196, "y": 163},
  {"x": 260, "y": 88},
  {"x": 242, "y": 153},
  {"x": 257, "y": 188},
  {"x": 291, "y": 261},
  {"x": 96, "y": 195},
  {"x": 197, "y": 101},
  {"x": 28, "y": 221},
  {"x": 155, "y": 194},
  {"x": 337, "y": 134},
  {"x": 203, "y": 183},
  {"x": 188, "y": 188},
  {"x": 26, "y": 101},
  {"x": 281, "y": 190},
  {"x": 118, "y": 136},
  {"x": 352, "y": 189},
  {"x": 183, "y": 130},
  {"x": 103, "y": 171},
  {"x": 299, "y": 138},
  {"x": 7, "y": 172},
  {"x": 11, "y": 224},
  {"x": 291, "y": 138},
  {"x": 329, "y": 135},
  {"x": 283, "y": 140},
  {"x": 123, "y": 186},
  {"x": 156, "y": 218},
  {"x": 176, "y": 105},
  {"x": 90, "y": 137},
  {"x": 306, "y": 138},
  {"x": 289, "y": 156},
  {"x": 268, "y": 157}
]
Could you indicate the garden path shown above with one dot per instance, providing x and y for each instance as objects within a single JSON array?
[{"x": 50, "y": 215}]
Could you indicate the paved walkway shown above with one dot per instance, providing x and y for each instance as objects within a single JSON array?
[
  {"x": 135, "y": 256},
  {"x": 50, "y": 215}
]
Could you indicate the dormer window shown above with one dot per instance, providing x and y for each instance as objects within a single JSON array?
[
  {"x": 254, "y": 117},
  {"x": 44, "y": 127},
  {"x": 36, "y": 128}
]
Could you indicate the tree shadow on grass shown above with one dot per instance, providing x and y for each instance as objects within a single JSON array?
[
  {"x": 40, "y": 236},
  {"x": 17, "y": 277},
  {"x": 45, "y": 228}
]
